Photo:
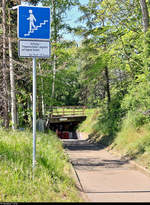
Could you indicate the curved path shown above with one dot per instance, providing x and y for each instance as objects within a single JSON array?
[{"x": 104, "y": 177}]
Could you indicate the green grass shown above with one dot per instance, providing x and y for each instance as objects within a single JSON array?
[
  {"x": 87, "y": 125},
  {"x": 52, "y": 180},
  {"x": 131, "y": 141}
]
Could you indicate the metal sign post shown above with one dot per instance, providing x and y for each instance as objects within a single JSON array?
[
  {"x": 34, "y": 112},
  {"x": 34, "y": 35}
]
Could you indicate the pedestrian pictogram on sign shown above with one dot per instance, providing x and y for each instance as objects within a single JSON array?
[{"x": 33, "y": 22}]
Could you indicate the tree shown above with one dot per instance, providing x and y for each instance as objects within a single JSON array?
[
  {"x": 12, "y": 80},
  {"x": 59, "y": 9},
  {"x": 4, "y": 69},
  {"x": 145, "y": 15},
  {"x": 95, "y": 35}
]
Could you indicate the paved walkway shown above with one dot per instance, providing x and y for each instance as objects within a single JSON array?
[{"x": 104, "y": 177}]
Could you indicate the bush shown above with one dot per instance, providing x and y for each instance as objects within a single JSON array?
[
  {"x": 138, "y": 98},
  {"x": 109, "y": 121}
]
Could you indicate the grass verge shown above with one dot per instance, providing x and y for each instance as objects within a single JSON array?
[
  {"x": 87, "y": 125},
  {"x": 134, "y": 143},
  {"x": 52, "y": 177},
  {"x": 131, "y": 141}
]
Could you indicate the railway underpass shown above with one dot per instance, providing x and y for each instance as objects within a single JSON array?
[{"x": 65, "y": 120}]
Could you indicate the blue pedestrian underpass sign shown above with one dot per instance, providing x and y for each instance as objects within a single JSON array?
[{"x": 33, "y": 22}]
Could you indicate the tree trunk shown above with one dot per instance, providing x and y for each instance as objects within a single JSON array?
[
  {"x": 12, "y": 82},
  {"x": 107, "y": 77},
  {"x": 145, "y": 15},
  {"x": 55, "y": 40},
  {"x": 54, "y": 76},
  {"x": 4, "y": 70},
  {"x": 107, "y": 87}
]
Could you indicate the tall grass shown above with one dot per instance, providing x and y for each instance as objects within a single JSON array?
[
  {"x": 133, "y": 140},
  {"x": 52, "y": 181},
  {"x": 91, "y": 117}
]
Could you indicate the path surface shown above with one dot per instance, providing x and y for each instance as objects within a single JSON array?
[{"x": 105, "y": 177}]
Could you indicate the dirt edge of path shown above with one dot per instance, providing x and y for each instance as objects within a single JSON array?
[
  {"x": 132, "y": 162},
  {"x": 77, "y": 182},
  {"x": 79, "y": 186}
]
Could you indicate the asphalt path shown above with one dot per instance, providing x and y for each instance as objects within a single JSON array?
[{"x": 105, "y": 177}]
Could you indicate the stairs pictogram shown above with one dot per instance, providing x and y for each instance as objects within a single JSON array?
[{"x": 36, "y": 28}]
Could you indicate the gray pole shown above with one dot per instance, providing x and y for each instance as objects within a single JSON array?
[{"x": 34, "y": 111}]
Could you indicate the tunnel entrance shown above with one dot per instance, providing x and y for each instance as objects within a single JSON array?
[
  {"x": 65, "y": 120},
  {"x": 65, "y": 130}
]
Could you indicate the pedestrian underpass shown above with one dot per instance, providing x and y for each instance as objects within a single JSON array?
[{"x": 65, "y": 120}]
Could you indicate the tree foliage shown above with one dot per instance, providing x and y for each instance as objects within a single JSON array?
[
  {"x": 107, "y": 69},
  {"x": 115, "y": 38}
]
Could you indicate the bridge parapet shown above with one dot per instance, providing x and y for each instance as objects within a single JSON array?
[{"x": 67, "y": 111}]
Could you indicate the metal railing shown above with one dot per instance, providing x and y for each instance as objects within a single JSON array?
[{"x": 67, "y": 111}]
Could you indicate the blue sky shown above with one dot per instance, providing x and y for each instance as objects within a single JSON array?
[{"x": 72, "y": 19}]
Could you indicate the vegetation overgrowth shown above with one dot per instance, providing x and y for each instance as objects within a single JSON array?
[
  {"x": 131, "y": 138},
  {"x": 52, "y": 180}
]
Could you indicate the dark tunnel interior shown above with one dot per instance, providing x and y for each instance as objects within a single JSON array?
[{"x": 65, "y": 130}]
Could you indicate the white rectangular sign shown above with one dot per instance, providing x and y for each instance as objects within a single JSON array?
[
  {"x": 34, "y": 48},
  {"x": 63, "y": 119}
]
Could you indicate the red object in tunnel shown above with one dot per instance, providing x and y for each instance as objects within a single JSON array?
[{"x": 63, "y": 135}]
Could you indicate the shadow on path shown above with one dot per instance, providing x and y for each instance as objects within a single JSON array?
[
  {"x": 88, "y": 162},
  {"x": 77, "y": 145},
  {"x": 94, "y": 163},
  {"x": 104, "y": 177}
]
